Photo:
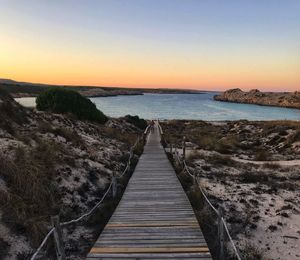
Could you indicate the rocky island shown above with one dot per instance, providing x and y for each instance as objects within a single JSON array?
[{"x": 280, "y": 99}]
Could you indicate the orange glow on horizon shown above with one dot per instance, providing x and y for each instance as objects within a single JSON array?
[{"x": 40, "y": 62}]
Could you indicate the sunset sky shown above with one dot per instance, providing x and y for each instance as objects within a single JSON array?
[{"x": 199, "y": 44}]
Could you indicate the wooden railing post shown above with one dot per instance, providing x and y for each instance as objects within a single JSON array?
[
  {"x": 114, "y": 186},
  {"x": 221, "y": 233},
  {"x": 183, "y": 148},
  {"x": 171, "y": 150},
  {"x": 59, "y": 246}
]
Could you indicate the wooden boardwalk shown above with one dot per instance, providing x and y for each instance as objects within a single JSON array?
[{"x": 154, "y": 219}]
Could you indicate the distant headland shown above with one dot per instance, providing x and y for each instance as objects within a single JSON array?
[
  {"x": 279, "y": 99},
  {"x": 26, "y": 89}
]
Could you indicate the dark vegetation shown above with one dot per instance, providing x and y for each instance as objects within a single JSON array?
[
  {"x": 19, "y": 88},
  {"x": 138, "y": 122},
  {"x": 33, "y": 195},
  {"x": 204, "y": 135},
  {"x": 259, "y": 140},
  {"x": 68, "y": 101},
  {"x": 9, "y": 115}
]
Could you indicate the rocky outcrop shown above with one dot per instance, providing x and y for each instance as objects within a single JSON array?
[{"x": 254, "y": 96}]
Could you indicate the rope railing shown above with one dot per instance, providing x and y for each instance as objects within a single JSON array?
[
  {"x": 231, "y": 240},
  {"x": 70, "y": 222},
  {"x": 185, "y": 168},
  {"x": 222, "y": 221},
  {"x": 42, "y": 244},
  {"x": 90, "y": 211},
  {"x": 214, "y": 209},
  {"x": 112, "y": 185},
  {"x": 147, "y": 129},
  {"x": 131, "y": 155}
]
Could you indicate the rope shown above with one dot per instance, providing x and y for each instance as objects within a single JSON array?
[
  {"x": 69, "y": 222},
  {"x": 177, "y": 156},
  {"x": 42, "y": 244},
  {"x": 94, "y": 208},
  {"x": 125, "y": 170},
  {"x": 130, "y": 157},
  {"x": 185, "y": 168},
  {"x": 146, "y": 130},
  {"x": 89, "y": 212},
  {"x": 207, "y": 200},
  {"x": 231, "y": 241},
  {"x": 160, "y": 129}
]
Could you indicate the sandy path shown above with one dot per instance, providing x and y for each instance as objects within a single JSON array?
[{"x": 281, "y": 163}]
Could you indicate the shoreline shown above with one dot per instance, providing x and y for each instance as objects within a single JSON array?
[{"x": 26, "y": 95}]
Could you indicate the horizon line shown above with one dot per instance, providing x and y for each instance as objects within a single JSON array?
[{"x": 11, "y": 81}]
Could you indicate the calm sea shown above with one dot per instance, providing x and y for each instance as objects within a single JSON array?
[
  {"x": 185, "y": 106},
  {"x": 189, "y": 106}
]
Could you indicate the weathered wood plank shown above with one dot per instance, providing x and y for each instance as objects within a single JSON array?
[{"x": 97, "y": 250}]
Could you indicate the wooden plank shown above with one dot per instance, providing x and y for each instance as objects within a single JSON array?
[
  {"x": 156, "y": 224},
  {"x": 99, "y": 250},
  {"x": 186, "y": 256}
]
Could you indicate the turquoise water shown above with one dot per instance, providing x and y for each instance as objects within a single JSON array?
[{"x": 189, "y": 106}]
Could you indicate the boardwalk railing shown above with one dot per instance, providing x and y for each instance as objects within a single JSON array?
[
  {"x": 154, "y": 219},
  {"x": 180, "y": 159},
  {"x": 56, "y": 230}
]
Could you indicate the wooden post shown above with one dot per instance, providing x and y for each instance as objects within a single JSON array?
[
  {"x": 59, "y": 246},
  {"x": 171, "y": 151},
  {"x": 183, "y": 148},
  {"x": 114, "y": 186},
  {"x": 176, "y": 154},
  {"x": 221, "y": 233}
]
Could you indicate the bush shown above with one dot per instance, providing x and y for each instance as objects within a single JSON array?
[
  {"x": 10, "y": 112},
  {"x": 221, "y": 160},
  {"x": 58, "y": 100},
  {"x": 136, "y": 121},
  {"x": 296, "y": 137},
  {"x": 262, "y": 155},
  {"x": 32, "y": 195}
]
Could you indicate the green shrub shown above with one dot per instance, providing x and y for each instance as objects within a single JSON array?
[
  {"x": 136, "y": 121},
  {"x": 58, "y": 100}
]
